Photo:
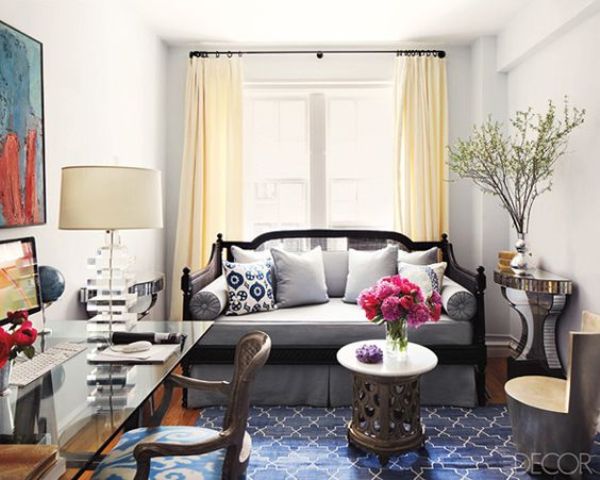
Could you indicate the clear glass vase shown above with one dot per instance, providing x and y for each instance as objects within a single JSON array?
[
  {"x": 4, "y": 377},
  {"x": 396, "y": 339}
]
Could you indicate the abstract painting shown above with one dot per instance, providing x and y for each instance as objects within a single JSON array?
[{"x": 22, "y": 182}]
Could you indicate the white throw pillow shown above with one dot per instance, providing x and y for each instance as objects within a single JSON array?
[
  {"x": 367, "y": 267},
  {"x": 429, "y": 277},
  {"x": 241, "y": 255}
]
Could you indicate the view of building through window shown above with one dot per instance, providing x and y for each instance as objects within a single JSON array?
[{"x": 318, "y": 157}]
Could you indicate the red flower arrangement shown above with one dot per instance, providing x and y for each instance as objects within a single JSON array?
[
  {"x": 395, "y": 298},
  {"x": 19, "y": 338},
  {"x": 397, "y": 302}
]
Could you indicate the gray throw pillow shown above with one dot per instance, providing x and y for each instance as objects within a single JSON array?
[
  {"x": 300, "y": 278},
  {"x": 367, "y": 267},
  {"x": 419, "y": 257},
  {"x": 336, "y": 271},
  {"x": 458, "y": 302},
  {"x": 209, "y": 303}
]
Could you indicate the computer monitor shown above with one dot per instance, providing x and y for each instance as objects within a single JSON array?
[{"x": 19, "y": 285}]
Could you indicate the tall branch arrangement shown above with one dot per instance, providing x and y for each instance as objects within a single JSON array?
[{"x": 516, "y": 167}]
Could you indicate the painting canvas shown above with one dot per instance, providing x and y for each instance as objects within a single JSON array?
[{"x": 22, "y": 182}]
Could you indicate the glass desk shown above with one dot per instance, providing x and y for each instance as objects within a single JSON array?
[{"x": 64, "y": 407}]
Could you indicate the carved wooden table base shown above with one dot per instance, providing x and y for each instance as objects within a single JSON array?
[{"x": 385, "y": 415}]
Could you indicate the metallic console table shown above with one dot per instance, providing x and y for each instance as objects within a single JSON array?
[{"x": 543, "y": 299}]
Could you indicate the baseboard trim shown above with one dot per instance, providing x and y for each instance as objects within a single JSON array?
[{"x": 500, "y": 346}]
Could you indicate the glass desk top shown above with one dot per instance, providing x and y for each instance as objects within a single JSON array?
[{"x": 81, "y": 406}]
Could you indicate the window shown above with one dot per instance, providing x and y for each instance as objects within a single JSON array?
[{"x": 318, "y": 158}]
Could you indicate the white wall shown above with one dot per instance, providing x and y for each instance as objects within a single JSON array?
[
  {"x": 564, "y": 222},
  {"x": 490, "y": 220},
  {"x": 104, "y": 82},
  {"x": 375, "y": 68}
]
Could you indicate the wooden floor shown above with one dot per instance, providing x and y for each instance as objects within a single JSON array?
[{"x": 177, "y": 415}]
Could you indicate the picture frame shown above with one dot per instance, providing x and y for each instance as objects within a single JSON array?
[{"x": 22, "y": 131}]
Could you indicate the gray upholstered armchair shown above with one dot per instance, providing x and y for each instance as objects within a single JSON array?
[
  {"x": 149, "y": 453},
  {"x": 554, "y": 421}
]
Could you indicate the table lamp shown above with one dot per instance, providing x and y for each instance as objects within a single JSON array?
[{"x": 111, "y": 198}]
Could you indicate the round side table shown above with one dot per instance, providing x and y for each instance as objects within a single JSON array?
[{"x": 386, "y": 417}]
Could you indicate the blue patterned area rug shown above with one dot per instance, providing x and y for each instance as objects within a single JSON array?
[{"x": 305, "y": 443}]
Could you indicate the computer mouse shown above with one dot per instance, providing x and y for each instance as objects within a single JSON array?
[{"x": 134, "y": 347}]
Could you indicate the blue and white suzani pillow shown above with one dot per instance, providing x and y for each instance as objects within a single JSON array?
[{"x": 249, "y": 287}]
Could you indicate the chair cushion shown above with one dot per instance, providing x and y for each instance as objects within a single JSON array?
[
  {"x": 120, "y": 463},
  {"x": 335, "y": 323},
  {"x": 543, "y": 393},
  {"x": 366, "y": 267}
]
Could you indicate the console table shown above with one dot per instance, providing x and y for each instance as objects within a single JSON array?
[{"x": 544, "y": 299}]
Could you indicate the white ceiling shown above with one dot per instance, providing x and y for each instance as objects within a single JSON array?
[{"x": 325, "y": 22}]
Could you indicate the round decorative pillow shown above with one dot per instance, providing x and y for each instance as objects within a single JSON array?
[
  {"x": 205, "y": 306},
  {"x": 459, "y": 303}
]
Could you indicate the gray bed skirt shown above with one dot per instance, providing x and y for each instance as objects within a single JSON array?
[{"x": 331, "y": 385}]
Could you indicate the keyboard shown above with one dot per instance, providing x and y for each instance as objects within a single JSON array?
[{"x": 25, "y": 372}]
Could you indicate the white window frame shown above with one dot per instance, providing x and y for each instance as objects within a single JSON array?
[{"x": 318, "y": 191}]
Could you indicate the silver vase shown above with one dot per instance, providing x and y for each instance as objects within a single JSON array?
[{"x": 520, "y": 262}]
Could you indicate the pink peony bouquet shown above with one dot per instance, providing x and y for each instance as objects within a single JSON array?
[{"x": 395, "y": 299}]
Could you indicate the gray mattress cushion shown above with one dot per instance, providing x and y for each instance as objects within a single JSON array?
[{"x": 333, "y": 324}]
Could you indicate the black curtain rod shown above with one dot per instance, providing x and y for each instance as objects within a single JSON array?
[{"x": 318, "y": 53}]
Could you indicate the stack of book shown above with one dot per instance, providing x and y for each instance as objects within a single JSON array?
[
  {"x": 110, "y": 386},
  {"x": 504, "y": 258},
  {"x": 30, "y": 462}
]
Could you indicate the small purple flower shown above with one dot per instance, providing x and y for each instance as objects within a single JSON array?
[{"x": 369, "y": 354}]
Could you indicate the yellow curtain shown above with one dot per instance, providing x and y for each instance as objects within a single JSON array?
[
  {"x": 210, "y": 195},
  {"x": 421, "y": 137}
]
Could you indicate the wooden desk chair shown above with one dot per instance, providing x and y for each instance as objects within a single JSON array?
[
  {"x": 194, "y": 452},
  {"x": 553, "y": 420}
]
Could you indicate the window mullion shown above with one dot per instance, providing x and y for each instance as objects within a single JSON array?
[{"x": 318, "y": 160}]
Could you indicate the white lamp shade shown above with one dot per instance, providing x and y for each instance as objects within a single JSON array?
[{"x": 110, "y": 198}]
